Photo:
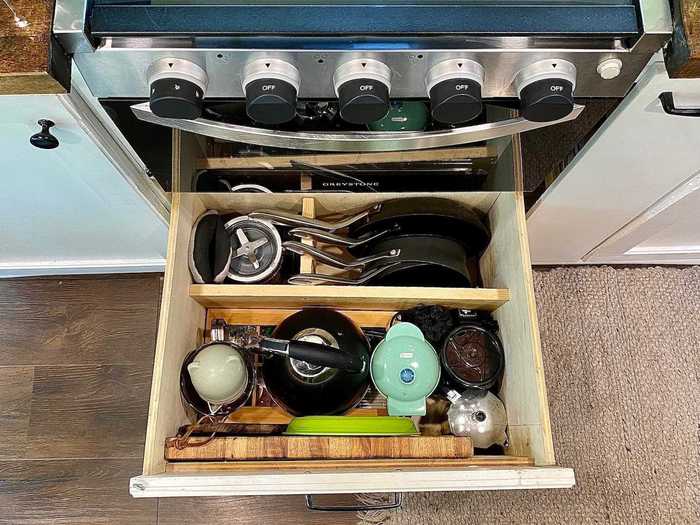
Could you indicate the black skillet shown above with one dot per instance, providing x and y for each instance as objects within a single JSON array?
[
  {"x": 426, "y": 215},
  {"x": 403, "y": 216},
  {"x": 410, "y": 260}
]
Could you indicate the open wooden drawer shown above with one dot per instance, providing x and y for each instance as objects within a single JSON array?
[{"x": 508, "y": 293}]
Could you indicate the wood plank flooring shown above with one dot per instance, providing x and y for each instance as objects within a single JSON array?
[{"x": 75, "y": 375}]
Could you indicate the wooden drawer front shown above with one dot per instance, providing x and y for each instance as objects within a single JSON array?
[{"x": 507, "y": 292}]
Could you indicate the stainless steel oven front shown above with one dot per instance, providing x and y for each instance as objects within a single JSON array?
[{"x": 325, "y": 75}]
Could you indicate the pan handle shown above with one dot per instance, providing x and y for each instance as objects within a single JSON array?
[
  {"x": 314, "y": 353},
  {"x": 338, "y": 262},
  {"x": 334, "y": 238},
  {"x": 282, "y": 218}
]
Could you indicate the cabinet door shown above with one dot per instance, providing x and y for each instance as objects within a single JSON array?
[
  {"x": 629, "y": 197},
  {"x": 667, "y": 232},
  {"x": 75, "y": 208}
]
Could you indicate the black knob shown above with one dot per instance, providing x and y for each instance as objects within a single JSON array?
[
  {"x": 546, "y": 100},
  {"x": 176, "y": 98},
  {"x": 44, "y": 139},
  {"x": 270, "y": 101},
  {"x": 363, "y": 101},
  {"x": 455, "y": 100}
]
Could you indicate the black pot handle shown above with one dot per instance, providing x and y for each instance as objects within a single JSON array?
[
  {"x": 314, "y": 353},
  {"x": 669, "y": 106},
  {"x": 395, "y": 504}
]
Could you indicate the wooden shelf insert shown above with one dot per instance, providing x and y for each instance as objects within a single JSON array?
[{"x": 348, "y": 297}]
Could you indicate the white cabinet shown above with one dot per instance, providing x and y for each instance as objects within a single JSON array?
[
  {"x": 84, "y": 207},
  {"x": 631, "y": 195}
]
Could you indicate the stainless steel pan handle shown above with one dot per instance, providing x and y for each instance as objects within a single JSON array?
[
  {"x": 358, "y": 141},
  {"x": 335, "y": 239},
  {"x": 282, "y": 218},
  {"x": 339, "y": 262}
]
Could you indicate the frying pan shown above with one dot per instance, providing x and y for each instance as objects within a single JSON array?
[
  {"x": 404, "y": 216},
  {"x": 426, "y": 215},
  {"x": 411, "y": 260}
]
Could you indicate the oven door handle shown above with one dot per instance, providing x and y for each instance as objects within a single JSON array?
[{"x": 354, "y": 141}]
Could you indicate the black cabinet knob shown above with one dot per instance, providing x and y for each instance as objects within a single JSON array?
[
  {"x": 363, "y": 101},
  {"x": 270, "y": 101},
  {"x": 455, "y": 100},
  {"x": 176, "y": 98},
  {"x": 44, "y": 139},
  {"x": 547, "y": 100}
]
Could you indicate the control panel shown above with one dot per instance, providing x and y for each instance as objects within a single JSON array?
[{"x": 362, "y": 87}]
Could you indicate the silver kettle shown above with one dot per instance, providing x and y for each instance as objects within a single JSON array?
[{"x": 480, "y": 415}]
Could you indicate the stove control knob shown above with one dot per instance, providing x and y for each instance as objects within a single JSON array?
[
  {"x": 454, "y": 88},
  {"x": 546, "y": 90},
  {"x": 362, "y": 86},
  {"x": 177, "y": 88},
  {"x": 271, "y": 86}
]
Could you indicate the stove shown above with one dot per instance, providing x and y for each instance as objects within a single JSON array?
[{"x": 174, "y": 59}]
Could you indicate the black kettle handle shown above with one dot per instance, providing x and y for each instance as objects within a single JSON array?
[{"x": 314, "y": 353}]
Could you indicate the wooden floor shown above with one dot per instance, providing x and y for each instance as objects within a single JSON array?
[{"x": 76, "y": 356}]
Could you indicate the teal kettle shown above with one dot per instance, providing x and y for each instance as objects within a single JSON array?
[{"x": 405, "y": 368}]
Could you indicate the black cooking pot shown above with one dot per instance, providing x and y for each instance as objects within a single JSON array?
[{"x": 301, "y": 388}]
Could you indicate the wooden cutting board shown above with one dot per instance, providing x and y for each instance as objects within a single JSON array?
[{"x": 320, "y": 447}]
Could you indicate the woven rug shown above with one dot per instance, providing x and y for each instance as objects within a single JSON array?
[{"x": 621, "y": 352}]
